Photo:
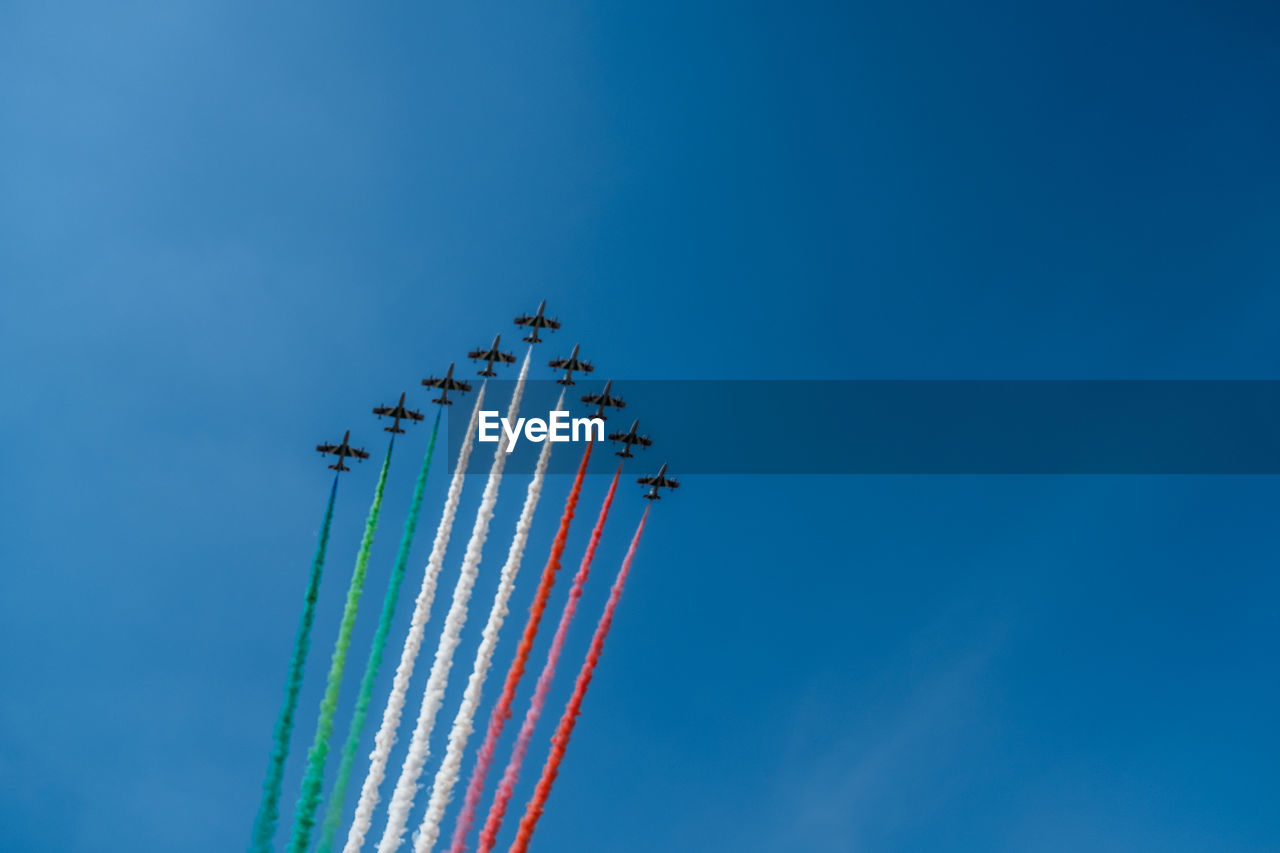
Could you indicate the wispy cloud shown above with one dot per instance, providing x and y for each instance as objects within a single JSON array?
[{"x": 859, "y": 784}]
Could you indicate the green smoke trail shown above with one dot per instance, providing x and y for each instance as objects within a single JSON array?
[
  {"x": 333, "y": 812},
  {"x": 264, "y": 825},
  {"x": 309, "y": 801}
]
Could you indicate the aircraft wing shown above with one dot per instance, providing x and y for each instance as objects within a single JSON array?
[
  {"x": 384, "y": 410},
  {"x": 666, "y": 482},
  {"x": 358, "y": 453},
  {"x": 326, "y": 448},
  {"x": 412, "y": 415},
  {"x": 603, "y": 400},
  {"x": 486, "y": 354},
  {"x": 571, "y": 364},
  {"x": 537, "y": 322},
  {"x": 643, "y": 441}
]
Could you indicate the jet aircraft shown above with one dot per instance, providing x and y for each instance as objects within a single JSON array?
[
  {"x": 536, "y": 322},
  {"x": 571, "y": 365},
  {"x": 446, "y": 384},
  {"x": 657, "y": 481},
  {"x": 628, "y": 439},
  {"x": 343, "y": 450},
  {"x": 397, "y": 411},
  {"x": 603, "y": 399},
  {"x": 489, "y": 356}
]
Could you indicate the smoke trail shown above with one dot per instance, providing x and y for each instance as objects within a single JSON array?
[
  {"x": 447, "y": 775},
  {"x": 489, "y": 836},
  {"x": 264, "y": 825},
  {"x": 502, "y": 710},
  {"x": 309, "y": 801},
  {"x": 333, "y": 812},
  {"x": 386, "y": 736},
  {"x": 433, "y": 696},
  {"x": 560, "y": 740}
]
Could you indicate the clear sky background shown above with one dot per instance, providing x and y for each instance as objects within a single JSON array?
[{"x": 229, "y": 229}]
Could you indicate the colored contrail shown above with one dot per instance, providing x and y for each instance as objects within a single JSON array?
[
  {"x": 309, "y": 801},
  {"x": 489, "y": 835},
  {"x": 463, "y": 721},
  {"x": 333, "y": 811},
  {"x": 502, "y": 710},
  {"x": 433, "y": 696},
  {"x": 560, "y": 740},
  {"x": 264, "y": 825},
  {"x": 386, "y": 736}
]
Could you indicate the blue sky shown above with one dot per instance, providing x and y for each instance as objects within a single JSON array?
[{"x": 228, "y": 229}]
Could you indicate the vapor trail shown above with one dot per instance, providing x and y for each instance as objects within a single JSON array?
[
  {"x": 489, "y": 836},
  {"x": 309, "y": 801},
  {"x": 386, "y": 736},
  {"x": 463, "y": 721},
  {"x": 502, "y": 710},
  {"x": 433, "y": 696},
  {"x": 560, "y": 740},
  {"x": 264, "y": 825},
  {"x": 333, "y": 811}
]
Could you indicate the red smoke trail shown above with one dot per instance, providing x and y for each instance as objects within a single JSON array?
[
  {"x": 560, "y": 740},
  {"x": 502, "y": 710},
  {"x": 489, "y": 837}
]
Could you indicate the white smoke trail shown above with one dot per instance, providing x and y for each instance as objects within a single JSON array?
[
  {"x": 447, "y": 775},
  {"x": 407, "y": 785},
  {"x": 386, "y": 737}
]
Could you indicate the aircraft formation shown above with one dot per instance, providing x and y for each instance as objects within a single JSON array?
[
  {"x": 494, "y": 355},
  {"x": 307, "y": 824}
]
